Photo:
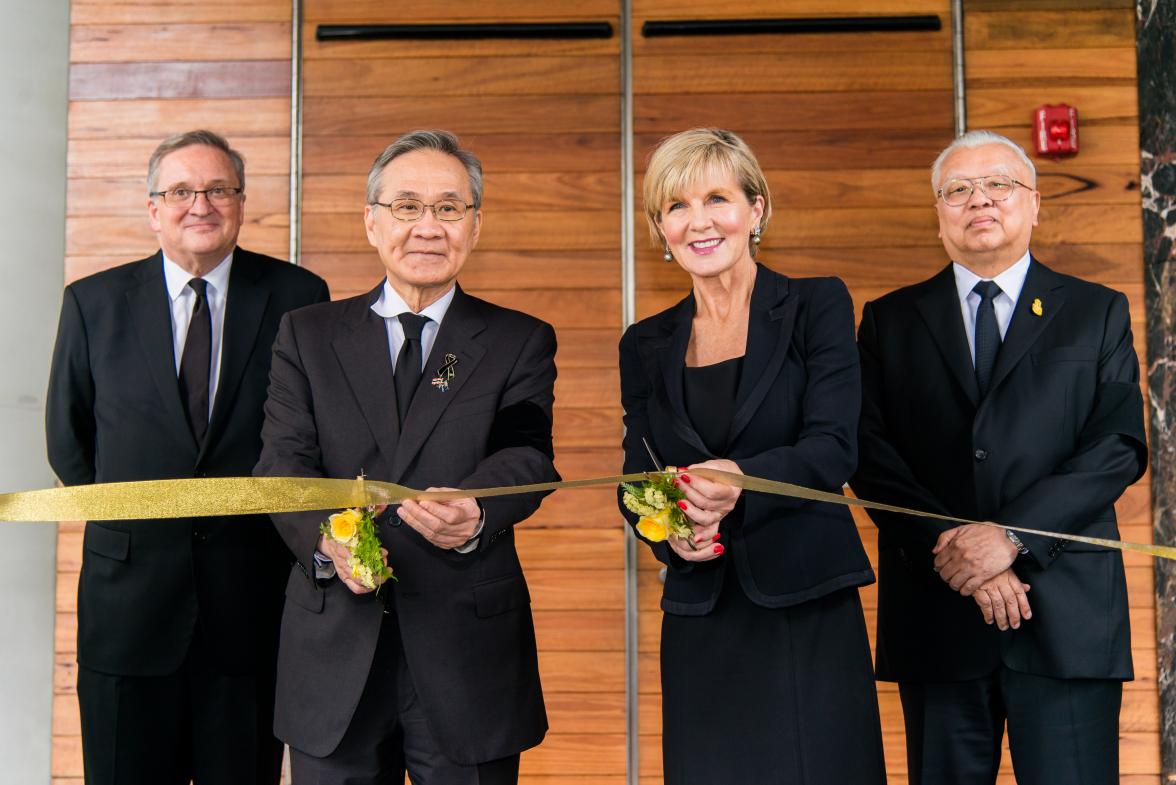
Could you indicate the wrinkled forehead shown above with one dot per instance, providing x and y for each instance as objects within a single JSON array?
[
  {"x": 425, "y": 174},
  {"x": 982, "y": 161}
]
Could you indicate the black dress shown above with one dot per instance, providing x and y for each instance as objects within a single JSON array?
[{"x": 754, "y": 695}]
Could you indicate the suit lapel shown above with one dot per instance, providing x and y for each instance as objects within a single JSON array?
[
  {"x": 1043, "y": 285},
  {"x": 244, "y": 310},
  {"x": 769, "y": 334},
  {"x": 367, "y": 365},
  {"x": 458, "y": 336},
  {"x": 148, "y": 305},
  {"x": 668, "y": 350},
  {"x": 939, "y": 307}
]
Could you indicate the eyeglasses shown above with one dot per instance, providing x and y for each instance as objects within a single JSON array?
[
  {"x": 997, "y": 187},
  {"x": 221, "y": 195},
  {"x": 414, "y": 209}
]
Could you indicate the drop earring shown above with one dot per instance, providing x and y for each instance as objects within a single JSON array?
[
  {"x": 667, "y": 256},
  {"x": 755, "y": 235}
]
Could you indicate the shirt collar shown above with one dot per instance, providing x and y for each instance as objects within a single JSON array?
[
  {"x": 176, "y": 278},
  {"x": 390, "y": 304},
  {"x": 1011, "y": 281}
]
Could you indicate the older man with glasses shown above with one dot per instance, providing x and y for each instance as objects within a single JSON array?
[
  {"x": 160, "y": 372},
  {"x": 1000, "y": 390},
  {"x": 417, "y": 383}
]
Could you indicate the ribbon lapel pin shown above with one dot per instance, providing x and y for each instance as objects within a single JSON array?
[{"x": 445, "y": 373}]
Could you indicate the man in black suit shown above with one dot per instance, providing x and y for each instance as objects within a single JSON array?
[
  {"x": 418, "y": 383},
  {"x": 1000, "y": 390},
  {"x": 160, "y": 372}
]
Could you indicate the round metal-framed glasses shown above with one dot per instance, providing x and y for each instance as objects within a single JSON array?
[{"x": 997, "y": 187}]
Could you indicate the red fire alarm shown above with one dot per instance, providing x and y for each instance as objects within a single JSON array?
[{"x": 1055, "y": 130}]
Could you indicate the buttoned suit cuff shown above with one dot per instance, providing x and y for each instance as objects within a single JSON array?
[{"x": 471, "y": 545}]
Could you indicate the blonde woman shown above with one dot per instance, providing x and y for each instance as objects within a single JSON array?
[{"x": 765, "y": 663}]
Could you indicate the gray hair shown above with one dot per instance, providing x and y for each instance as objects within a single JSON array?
[
  {"x": 188, "y": 139},
  {"x": 974, "y": 139},
  {"x": 442, "y": 142}
]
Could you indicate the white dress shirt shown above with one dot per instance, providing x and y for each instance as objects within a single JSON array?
[
  {"x": 390, "y": 305},
  {"x": 183, "y": 299},
  {"x": 1011, "y": 281}
]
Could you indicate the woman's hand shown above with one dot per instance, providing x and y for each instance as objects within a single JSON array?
[
  {"x": 704, "y": 548},
  {"x": 708, "y": 501},
  {"x": 706, "y": 504}
]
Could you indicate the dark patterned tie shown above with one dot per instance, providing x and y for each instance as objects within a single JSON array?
[
  {"x": 407, "y": 373},
  {"x": 987, "y": 334},
  {"x": 196, "y": 362}
]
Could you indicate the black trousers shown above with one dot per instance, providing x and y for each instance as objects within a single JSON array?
[
  {"x": 190, "y": 726},
  {"x": 390, "y": 735},
  {"x": 1060, "y": 730}
]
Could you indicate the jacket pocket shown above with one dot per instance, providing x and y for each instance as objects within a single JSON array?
[
  {"x": 301, "y": 592},
  {"x": 111, "y": 543},
  {"x": 500, "y": 595}
]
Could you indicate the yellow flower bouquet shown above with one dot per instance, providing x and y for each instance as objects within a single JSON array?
[
  {"x": 355, "y": 530},
  {"x": 656, "y": 501}
]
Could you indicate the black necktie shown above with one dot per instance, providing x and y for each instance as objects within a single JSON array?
[
  {"x": 196, "y": 362},
  {"x": 407, "y": 373},
  {"x": 987, "y": 334}
]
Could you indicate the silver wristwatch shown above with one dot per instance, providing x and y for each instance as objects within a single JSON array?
[{"x": 1016, "y": 541}]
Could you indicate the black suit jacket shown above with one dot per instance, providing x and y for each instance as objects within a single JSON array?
[
  {"x": 795, "y": 420},
  {"x": 465, "y": 620},
  {"x": 114, "y": 413},
  {"x": 1052, "y": 446}
]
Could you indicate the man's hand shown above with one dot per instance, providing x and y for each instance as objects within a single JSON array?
[
  {"x": 1002, "y": 599},
  {"x": 339, "y": 555},
  {"x": 969, "y": 555},
  {"x": 446, "y": 524}
]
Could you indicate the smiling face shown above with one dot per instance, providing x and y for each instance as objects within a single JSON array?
[
  {"x": 422, "y": 258},
  {"x": 987, "y": 236},
  {"x": 708, "y": 227},
  {"x": 199, "y": 236}
]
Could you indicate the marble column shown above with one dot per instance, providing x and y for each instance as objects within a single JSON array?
[{"x": 1156, "y": 37}]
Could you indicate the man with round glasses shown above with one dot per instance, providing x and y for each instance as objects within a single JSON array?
[
  {"x": 416, "y": 383},
  {"x": 160, "y": 372},
  {"x": 1000, "y": 390}
]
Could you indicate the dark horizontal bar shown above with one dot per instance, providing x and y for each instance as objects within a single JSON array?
[
  {"x": 830, "y": 24},
  {"x": 464, "y": 32}
]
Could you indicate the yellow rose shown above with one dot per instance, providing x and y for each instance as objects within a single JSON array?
[
  {"x": 655, "y": 528},
  {"x": 345, "y": 525}
]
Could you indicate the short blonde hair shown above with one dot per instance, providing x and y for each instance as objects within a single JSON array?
[{"x": 687, "y": 157}]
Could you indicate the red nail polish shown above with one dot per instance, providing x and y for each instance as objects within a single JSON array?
[
  {"x": 676, "y": 483},
  {"x": 719, "y": 550},
  {"x": 682, "y": 506},
  {"x": 685, "y": 478},
  {"x": 715, "y": 537}
]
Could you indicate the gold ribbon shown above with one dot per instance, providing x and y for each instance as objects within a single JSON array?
[{"x": 209, "y": 496}]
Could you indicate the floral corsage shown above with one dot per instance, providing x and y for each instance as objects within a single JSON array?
[
  {"x": 355, "y": 530},
  {"x": 656, "y": 501}
]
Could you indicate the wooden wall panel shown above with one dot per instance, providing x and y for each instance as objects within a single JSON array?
[
  {"x": 140, "y": 70},
  {"x": 862, "y": 150},
  {"x": 544, "y": 116},
  {"x": 854, "y": 119}
]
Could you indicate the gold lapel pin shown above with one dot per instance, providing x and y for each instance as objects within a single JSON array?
[{"x": 1037, "y": 309}]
